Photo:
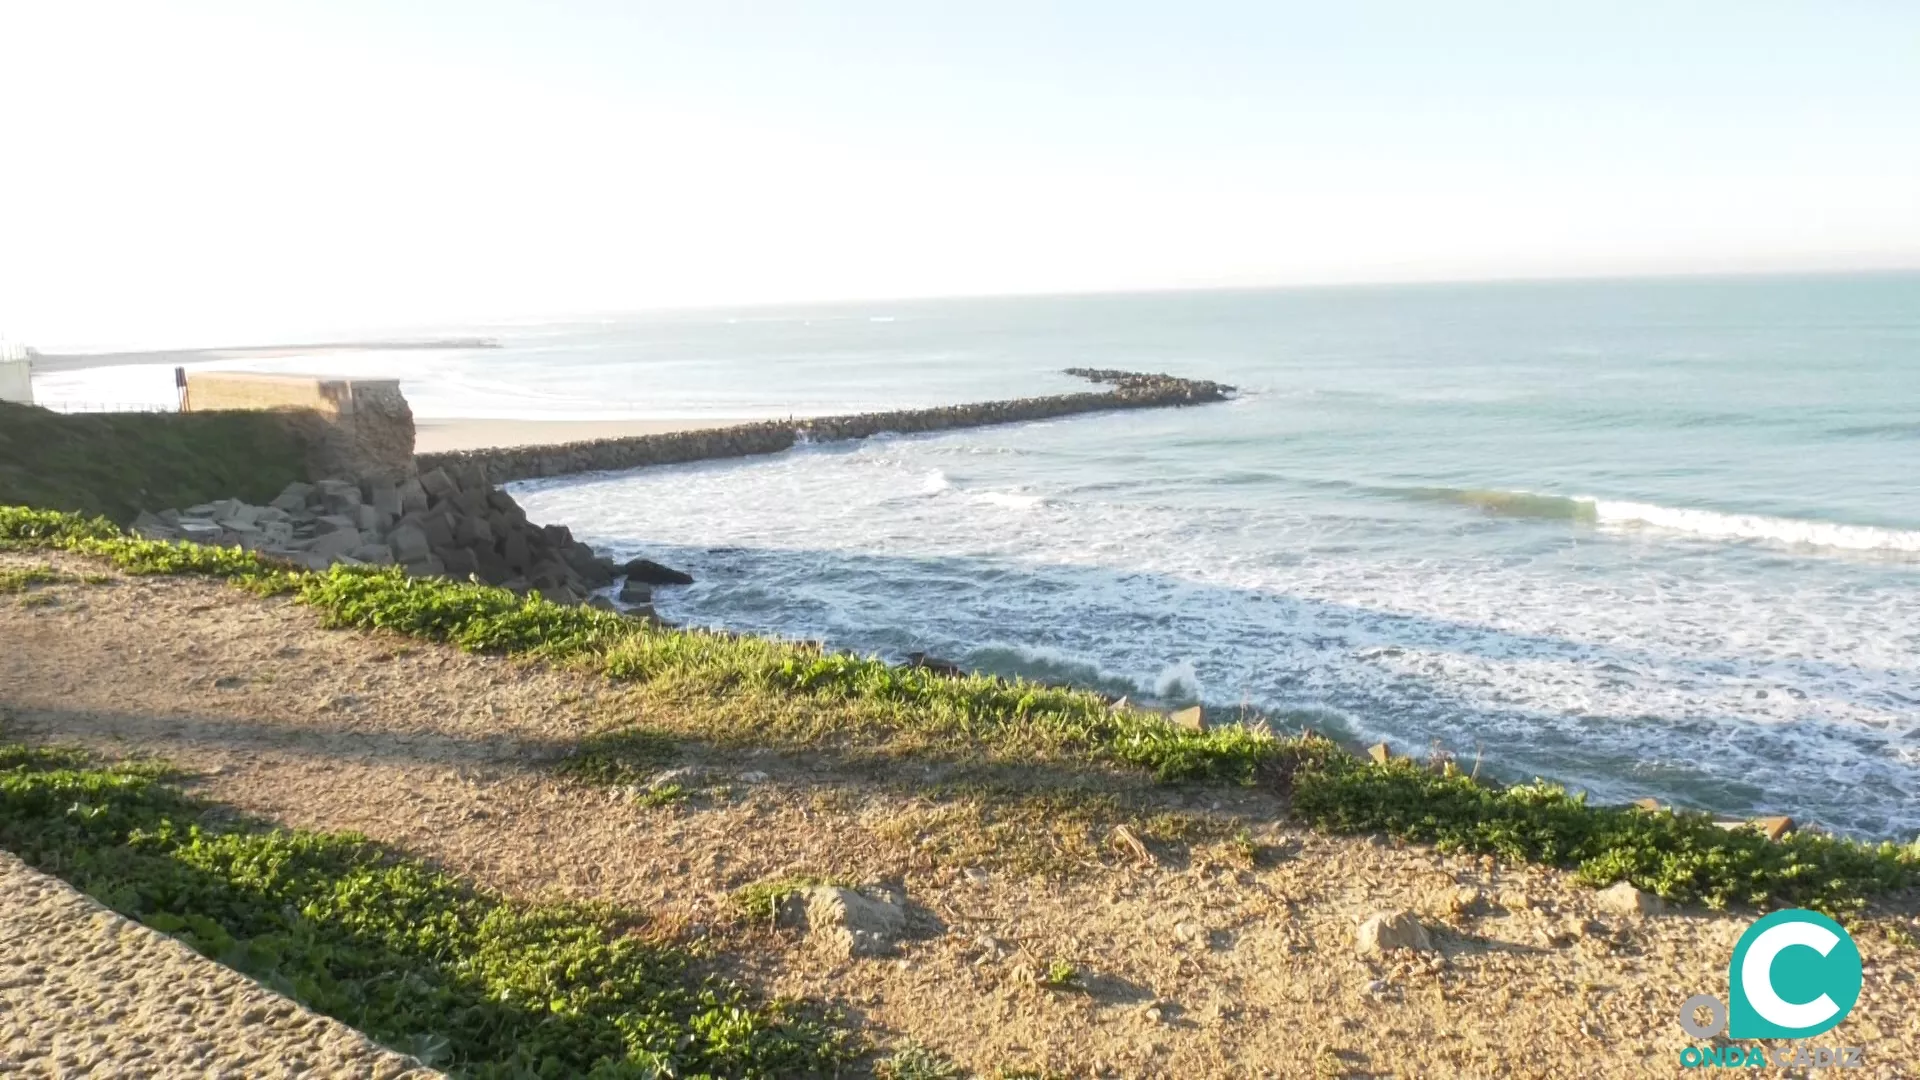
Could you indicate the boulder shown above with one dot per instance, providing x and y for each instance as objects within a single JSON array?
[
  {"x": 338, "y": 496},
  {"x": 471, "y": 501},
  {"x": 335, "y": 544},
  {"x": 461, "y": 562},
  {"x": 408, "y": 544},
  {"x": 293, "y": 497},
  {"x": 1192, "y": 718},
  {"x": 493, "y": 566},
  {"x": 472, "y": 530},
  {"x": 239, "y": 513},
  {"x": 384, "y": 497},
  {"x": 368, "y": 519},
  {"x": 470, "y": 477},
  {"x": 199, "y": 530},
  {"x": 847, "y": 922},
  {"x": 153, "y": 528},
  {"x": 653, "y": 573},
  {"x": 439, "y": 530},
  {"x": 413, "y": 497},
  {"x": 1388, "y": 930},
  {"x": 1621, "y": 898},
  {"x": 548, "y": 573},
  {"x": 431, "y": 566},
  {"x": 333, "y": 523},
  {"x": 372, "y": 554},
  {"x": 516, "y": 551},
  {"x": 580, "y": 558},
  {"x": 636, "y": 592},
  {"x": 438, "y": 485}
]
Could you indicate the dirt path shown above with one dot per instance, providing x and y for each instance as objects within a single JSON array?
[
  {"x": 84, "y": 992},
  {"x": 1191, "y": 964}
]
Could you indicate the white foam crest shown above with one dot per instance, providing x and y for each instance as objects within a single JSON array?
[
  {"x": 935, "y": 483},
  {"x": 1718, "y": 526},
  {"x": 1009, "y": 499},
  {"x": 1177, "y": 681}
]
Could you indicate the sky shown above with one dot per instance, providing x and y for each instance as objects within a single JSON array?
[{"x": 201, "y": 173}]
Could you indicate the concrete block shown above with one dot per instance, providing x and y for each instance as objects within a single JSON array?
[
  {"x": 334, "y": 544},
  {"x": 409, "y": 544}
]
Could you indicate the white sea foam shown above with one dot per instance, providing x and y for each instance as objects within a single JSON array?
[
  {"x": 1177, "y": 681},
  {"x": 1012, "y": 500},
  {"x": 1719, "y": 526}
]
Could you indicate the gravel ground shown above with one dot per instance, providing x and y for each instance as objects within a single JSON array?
[{"x": 84, "y": 992}]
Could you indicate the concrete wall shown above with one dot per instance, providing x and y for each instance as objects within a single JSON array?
[
  {"x": 1131, "y": 391},
  {"x": 16, "y": 382},
  {"x": 366, "y": 427}
]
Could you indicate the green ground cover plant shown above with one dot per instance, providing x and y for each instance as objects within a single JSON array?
[
  {"x": 471, "y": 983},
  {"x": 117, "y": 464},
  {"x": 1680, "y": 856}
]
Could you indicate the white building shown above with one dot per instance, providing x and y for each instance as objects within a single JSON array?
[{"x": 16, "y": 379}]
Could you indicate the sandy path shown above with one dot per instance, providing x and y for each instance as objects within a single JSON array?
[
  {"x": 84, "y": 992},
  {"x": 441, "y": 436},
  {"x": 1192, "y": 966}
]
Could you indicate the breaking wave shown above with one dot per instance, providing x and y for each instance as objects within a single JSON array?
[
  {"x": 1706, "y": 524},
  {"x": 1796, "y": 532}
]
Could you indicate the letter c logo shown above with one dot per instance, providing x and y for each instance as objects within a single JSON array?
[{"x": 1794, "y": 974}]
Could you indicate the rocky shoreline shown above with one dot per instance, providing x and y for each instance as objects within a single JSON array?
[
  {"x": 437, "y": 524},
  {"x": 1129, "y": 390}
]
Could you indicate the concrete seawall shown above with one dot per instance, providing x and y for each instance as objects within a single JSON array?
[{"x": 1130, "y": 390}]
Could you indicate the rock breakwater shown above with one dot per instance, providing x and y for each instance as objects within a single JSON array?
[
  {"x": 440, "y": 523},
  {"x": 1130, "y": 390}
]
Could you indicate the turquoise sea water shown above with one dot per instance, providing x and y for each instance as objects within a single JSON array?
[{"x": 1647, "y": 537}]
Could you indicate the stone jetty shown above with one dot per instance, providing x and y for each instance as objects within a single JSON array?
[
  {"x": 1127, "y": 390},
  {"x": 441, "y": 522}
]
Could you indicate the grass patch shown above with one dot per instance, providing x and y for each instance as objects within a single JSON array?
[
  {"x": 620, "y": 757},
  {"x": 664, "y": 795},
  {"x": 1053, "y": 834},
  {"x": 13, "y": 581},
  {"x": 116, "y": 464},
  {"x": 1680, "y": 856},
  {"x": 422, "y": 962},
  {"x": 760, "y": 901}
]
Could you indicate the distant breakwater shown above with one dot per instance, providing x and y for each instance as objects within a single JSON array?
[{"x": 1129, "y": 390}]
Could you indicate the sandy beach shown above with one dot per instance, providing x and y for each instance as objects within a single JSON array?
[{"x": 442, "y": 436}]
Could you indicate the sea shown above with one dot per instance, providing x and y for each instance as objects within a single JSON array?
[{"x": 1646, "y": 538}]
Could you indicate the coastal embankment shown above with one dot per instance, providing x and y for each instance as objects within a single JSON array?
[
  {"x": 1129, "y": 390},
  {"x": 1066, "y": 913}
]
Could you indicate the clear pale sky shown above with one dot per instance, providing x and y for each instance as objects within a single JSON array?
[{"x": 193, "y": 172}]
